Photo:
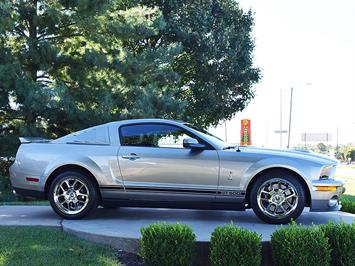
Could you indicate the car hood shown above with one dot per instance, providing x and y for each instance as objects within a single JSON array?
[{"x": 296, "y": 154}]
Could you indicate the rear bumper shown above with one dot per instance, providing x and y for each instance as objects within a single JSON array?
[
  {"x": 323, "y": 201},
  {"x": 23, "y": 187},
  {"x": 30, "y": 193}
]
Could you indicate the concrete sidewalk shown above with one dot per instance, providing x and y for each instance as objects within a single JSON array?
[
  {"x": 29, "y": 216},
  {"x": 121, "y": 228}
]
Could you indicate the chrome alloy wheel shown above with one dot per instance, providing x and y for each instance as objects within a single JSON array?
[
  {"x": 277, "y": 198},
  {"x": 71, "y": 195}
]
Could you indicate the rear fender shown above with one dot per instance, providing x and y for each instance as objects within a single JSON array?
[{"x": 78, "y": 160}]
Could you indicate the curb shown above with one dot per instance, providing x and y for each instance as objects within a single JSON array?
[{"x": 131, "y": 245}]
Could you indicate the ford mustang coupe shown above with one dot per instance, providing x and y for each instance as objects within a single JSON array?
[{"x": 172, "y": 164}]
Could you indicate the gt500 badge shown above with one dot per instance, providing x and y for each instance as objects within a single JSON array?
[{"x": 232, "y": 193}]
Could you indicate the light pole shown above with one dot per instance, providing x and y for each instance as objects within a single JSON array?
[
  {"x": 289, "y": 122},
  {"x": 281, "y": 118},
  {"x": 290, "y": 117},
  {"x": 281, "y": 131},
  {"x": 225, "y": 131}
]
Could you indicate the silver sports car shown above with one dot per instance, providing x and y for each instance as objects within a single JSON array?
[{"x": 166, "y": 163}]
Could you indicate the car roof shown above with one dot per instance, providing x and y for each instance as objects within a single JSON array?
[{"x": 146, "y": 120}]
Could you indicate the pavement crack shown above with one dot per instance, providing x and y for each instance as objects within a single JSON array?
[{"x": 61, "y": 225}]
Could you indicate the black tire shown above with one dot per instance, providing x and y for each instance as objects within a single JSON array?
[
  {"x": 89, "y": 187},
  {"x": 273, "y": 206}
]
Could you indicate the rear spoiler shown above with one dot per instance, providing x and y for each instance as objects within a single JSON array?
[{"x": 25, "y": 140}]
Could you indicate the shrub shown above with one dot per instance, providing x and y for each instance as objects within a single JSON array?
[
  {"x": 167, "y": 244},
  {"x": 5, "y": 164},
  {"x": 342, "y": 241},
  {"x": 6, "y": 193},
  {"x": 297, "y": 245},
  {"x": 231, "y": 245}
]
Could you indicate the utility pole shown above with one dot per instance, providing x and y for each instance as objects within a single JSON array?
[
  {"x": 290, "y": 117},
  {"x": 289, "y": 122}
]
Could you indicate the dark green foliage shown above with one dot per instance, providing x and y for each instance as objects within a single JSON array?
[
  {"x": 297, "y": 245},
  {"x": 167, "y": 244},
  {"x": 67, "y": 65},
  {"x": 215, "y": 65},
  {"x": 64, "y": 67},
  {"x": 6, "y": 193},
  {"x": 231, "y": 245},
  {"x": 342, "y": 242}
]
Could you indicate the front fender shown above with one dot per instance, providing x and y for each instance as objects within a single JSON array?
[{"x": 305, "y": 169}]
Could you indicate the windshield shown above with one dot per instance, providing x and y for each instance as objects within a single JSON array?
[{"x": 208, "y": 135}]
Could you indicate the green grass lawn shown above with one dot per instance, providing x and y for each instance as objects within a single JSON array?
[
  {"x": 347, "y": 174},
  {"x": 42, "y": 246},
  {"x": 349, "y": 184},
  {"x": 348, "y": 197},
  {"x": 348, "y": 203}
]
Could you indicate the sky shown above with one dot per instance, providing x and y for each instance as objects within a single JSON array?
[{"x": 308, "y": 45}]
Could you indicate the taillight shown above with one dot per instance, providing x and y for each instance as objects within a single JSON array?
[{"x": 32, "y": 179}]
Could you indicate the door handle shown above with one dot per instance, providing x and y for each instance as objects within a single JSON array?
[{"x": 131, "y": 157}]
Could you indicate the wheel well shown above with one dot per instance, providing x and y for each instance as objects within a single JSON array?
[
  {"x": 69, "y": 167},
  {"x": 278, "y": 169}
]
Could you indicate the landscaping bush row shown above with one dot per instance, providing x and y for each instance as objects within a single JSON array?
[{"x": 174, "y": 244}]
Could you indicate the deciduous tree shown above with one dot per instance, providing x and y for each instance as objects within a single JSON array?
[{"x": 216, "y": 62}]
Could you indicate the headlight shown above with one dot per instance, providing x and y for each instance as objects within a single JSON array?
[{"x": 327, "y": 172}]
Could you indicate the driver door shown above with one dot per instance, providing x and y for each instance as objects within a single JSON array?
[{"x": 154, "y": 163}]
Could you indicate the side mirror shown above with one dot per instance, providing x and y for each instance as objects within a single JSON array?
[{"x": 193, "y": 144}]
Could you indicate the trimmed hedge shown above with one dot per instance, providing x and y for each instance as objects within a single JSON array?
[
  {"x": 167, "y": 244},
  {"x": 342, "y": 242},
  {"x": 297, "y": 245},
  {"x": 231, "y": 245}
]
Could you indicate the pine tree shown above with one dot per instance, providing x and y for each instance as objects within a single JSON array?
[{"x": 64, "y": 66}]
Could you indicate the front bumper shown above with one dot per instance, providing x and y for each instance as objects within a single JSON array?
[{"x": 327, "y": 199}]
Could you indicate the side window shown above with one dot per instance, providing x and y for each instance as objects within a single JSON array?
[{"x": 153, "y": 135}]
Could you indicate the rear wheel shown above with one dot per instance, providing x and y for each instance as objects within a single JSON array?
[
  {"x": 277, "y": 197},
  {"x": 73, "y": 195}
]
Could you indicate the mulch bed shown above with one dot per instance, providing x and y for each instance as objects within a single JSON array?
[{"x": 129, "y": 259}]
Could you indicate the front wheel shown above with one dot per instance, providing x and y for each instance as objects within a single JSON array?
[
  {"x": 277, "y": 197},
  {"x": 73, "y": 195}
]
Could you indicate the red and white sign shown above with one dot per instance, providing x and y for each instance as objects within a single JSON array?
[{"x": 245, "y": 132}]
